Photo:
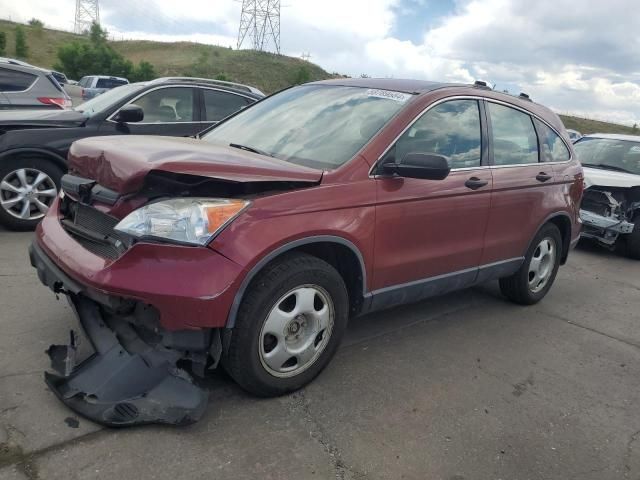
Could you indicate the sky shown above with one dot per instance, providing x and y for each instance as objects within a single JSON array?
[{"x": 575, "y": 56}]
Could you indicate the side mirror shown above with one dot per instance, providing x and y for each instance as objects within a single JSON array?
[
  {"x": 427, "y": 166},
  {"x": 129, "y": 114}
]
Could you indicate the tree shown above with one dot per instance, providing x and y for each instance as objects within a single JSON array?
[
  {"x": 22, "y": 50},
  {"x": 34, "y": 22},
  {"x": 3, "y": 43},
  {"x": 98, "y": 35},
  {"x": 96, "y": 57},
  {"x": 143, "y": 72}
]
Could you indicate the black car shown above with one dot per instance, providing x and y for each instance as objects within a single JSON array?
[{"x": 34, "y": 144}]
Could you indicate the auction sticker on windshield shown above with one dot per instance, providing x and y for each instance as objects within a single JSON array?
[{"x": 389, "y": 94}]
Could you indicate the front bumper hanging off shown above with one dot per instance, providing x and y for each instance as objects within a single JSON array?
[{"x": 127, "y": 381}]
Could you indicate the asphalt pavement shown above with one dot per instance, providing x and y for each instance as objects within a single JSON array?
[{"x": 466, "y": 386}]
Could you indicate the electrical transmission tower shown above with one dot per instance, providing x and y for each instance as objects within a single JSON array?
[
  {"x": 260, "y": 21},
  {"x": 87, "y": 13}
]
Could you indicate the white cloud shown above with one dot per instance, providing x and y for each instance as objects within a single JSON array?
[{"x": 573, "y": 56}]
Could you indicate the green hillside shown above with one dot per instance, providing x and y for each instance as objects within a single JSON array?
[
  {"x": 585, "y": 126},
  {"x": 267, "y": 71}
]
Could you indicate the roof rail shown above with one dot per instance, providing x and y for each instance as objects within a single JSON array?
[
  {"x": 525, "y": 96},
  {"x": 482, "y": 84},
  {"x": 238, "y": 86}
]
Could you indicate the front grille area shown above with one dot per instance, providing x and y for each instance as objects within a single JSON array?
[{"x": 92, "y": 229}]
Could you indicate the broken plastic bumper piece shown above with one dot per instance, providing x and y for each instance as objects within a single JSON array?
[
  {"x": 133, "y": 376},
  {"x": 606, "y": 223},
  {"x": 117, "y": 387}
]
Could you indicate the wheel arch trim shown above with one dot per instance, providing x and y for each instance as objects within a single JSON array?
[
  {"x": 60, "y": 161},
  {"x": 566, "y": 242},
  {"x": 235, "y": 306}
]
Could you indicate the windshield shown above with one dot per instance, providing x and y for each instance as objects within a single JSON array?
[
  {"x": 318, "y": 126},
  {"x": 609, "y": 154},
  {"x": 107, "y": 99}
]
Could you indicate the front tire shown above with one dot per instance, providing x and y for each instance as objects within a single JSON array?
[
  {"x": 289, "y": 325},
  {"x": 535, "y": 277},
  {"x": 28, "y": 187},
  {"x": 633, "y": 240}
]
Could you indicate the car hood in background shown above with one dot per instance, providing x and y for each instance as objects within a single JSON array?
[
  {"x": 121, "y": 163},
  {"x": 609, "y": 178},
  {"x": 42, "y": 118}
]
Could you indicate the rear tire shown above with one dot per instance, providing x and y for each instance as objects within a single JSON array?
[
  {"x": 633, "y": 240},
  {"x": 289, "y": 325},
  {"x": 535, "y": 277},
  {"x": 28, "y": 186}
]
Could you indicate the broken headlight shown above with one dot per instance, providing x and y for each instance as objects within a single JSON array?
[{"x": 185, "y": 220}]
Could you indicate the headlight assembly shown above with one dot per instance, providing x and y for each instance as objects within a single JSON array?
[{"x": 186, "y": 220}]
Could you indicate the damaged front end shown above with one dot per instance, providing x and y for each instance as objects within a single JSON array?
[
  {"x": 136, "y": 374},
  {"x": 608, "y": 212}
]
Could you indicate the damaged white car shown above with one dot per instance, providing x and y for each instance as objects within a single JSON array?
[{"x": 610, "y": 209}]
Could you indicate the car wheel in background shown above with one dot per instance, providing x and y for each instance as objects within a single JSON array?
[
  {"x": 27, "y": 188},
  {"x": 533, "y": 280},
  {"x": 289, "y": 325},
  {"x": 633, "y": 240}
]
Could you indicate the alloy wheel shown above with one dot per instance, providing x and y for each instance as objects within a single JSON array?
[{"x": 27, "y": 193}]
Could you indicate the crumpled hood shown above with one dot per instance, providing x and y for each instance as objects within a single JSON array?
[
  {"x": 609, "y": 178},
  {"x": 121, "y": 163},
  {"x": 42, "y": 118}
]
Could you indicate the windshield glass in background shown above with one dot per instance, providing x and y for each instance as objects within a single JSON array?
[
  {"x": 317, "y": 126},
  {"x": 609, "y": 154},
  {"x": 106, "y": 100}
]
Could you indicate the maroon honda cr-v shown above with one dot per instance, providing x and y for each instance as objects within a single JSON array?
[{"x": 252, "y": 245}]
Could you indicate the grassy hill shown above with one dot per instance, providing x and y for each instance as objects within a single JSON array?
[
  {"x": 267, "y": 71},
  {"x": 585, "y": 126}
]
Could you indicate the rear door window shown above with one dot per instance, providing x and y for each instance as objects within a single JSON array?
[
  {"x": 552, "y": 148},
  {"x": 514, "y": 139},
  {"x": 109, "y": 83},
  {"x": 14, "y": 81},
  {"x": 219, "y": 105},
  {"x": 451, "y": 129}
]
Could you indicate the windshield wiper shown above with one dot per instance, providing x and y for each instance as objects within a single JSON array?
[
  {"x": 251, "y": 149},
  {"x": 605, "y": 166}
]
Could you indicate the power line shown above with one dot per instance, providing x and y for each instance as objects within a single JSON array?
[
  {"x": 260, "y": 21},
  {"x": 87, "y": 13}
]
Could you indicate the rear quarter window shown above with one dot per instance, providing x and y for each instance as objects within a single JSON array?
[
  {"x": 13, "y": 81},
  {"x": 552, "y": 148}
]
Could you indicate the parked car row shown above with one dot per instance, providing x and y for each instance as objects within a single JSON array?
[
  {"x": 251, "y": 245},
  {"x": 34, "y": 144}
]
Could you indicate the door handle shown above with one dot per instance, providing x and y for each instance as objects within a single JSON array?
[
  {"x": 543, "y": 177},
  {"x": 475, "y": 183}
]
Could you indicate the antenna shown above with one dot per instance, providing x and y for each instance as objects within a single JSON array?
[
  {"x": 87, "y": 13},
  {"x": 260, "y": 21}
]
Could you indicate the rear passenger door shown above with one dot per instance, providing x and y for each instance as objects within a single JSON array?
[{"x": 522, "y": 184}]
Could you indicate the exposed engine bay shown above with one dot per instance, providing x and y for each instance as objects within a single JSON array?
[{"x": 609, "y": 212}]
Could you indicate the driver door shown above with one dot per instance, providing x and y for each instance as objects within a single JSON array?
[
  {"x": 430, "y": 233},
  {"x": 170, "y": 111}
]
